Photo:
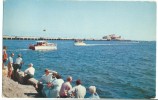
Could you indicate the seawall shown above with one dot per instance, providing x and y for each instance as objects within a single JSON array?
[{"x": 16, "y": 89}]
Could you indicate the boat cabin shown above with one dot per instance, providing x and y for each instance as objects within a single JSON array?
[{"x": 41, "y": 43}]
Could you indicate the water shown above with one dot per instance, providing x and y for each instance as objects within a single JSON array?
[{"x": 117, "y": 69}]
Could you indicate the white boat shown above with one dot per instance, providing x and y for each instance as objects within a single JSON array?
[
  {"x": 79, "y": 43},
  {"x": 43, "y": 45}
]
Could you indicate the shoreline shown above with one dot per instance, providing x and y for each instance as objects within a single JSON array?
[{"x": 48, "y": 38}]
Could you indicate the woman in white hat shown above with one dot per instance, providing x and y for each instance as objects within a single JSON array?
[{"x": 92, "y": 90}]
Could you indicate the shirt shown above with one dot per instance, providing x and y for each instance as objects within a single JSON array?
[
  {"x": 11, "y": 60},
  {"x": 64, "y": 89},
  {"x": 30, "y": 70},
  {"x": 46, "y": 78},
  {"x": 79, "y": 90},
  {"x": 18, "y": 60}
]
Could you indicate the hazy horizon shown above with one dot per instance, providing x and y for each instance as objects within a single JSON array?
[{"x": 80, "y": 19}]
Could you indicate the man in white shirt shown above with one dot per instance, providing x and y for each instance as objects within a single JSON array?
[
  {"x": 18, "y": 63},
  {"x": 41, "y": 86},
  {"x": 78, "y": 91},
  {"x": 29, "y": 73}
]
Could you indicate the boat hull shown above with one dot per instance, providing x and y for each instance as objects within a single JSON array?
[
  {"x": 45, "y": 47},
  {"x": 79, "y": 44}
]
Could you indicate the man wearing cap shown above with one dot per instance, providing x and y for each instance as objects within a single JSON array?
[
  {"x": 78, "y": 91},
  {"x": 29, "y": 73}
]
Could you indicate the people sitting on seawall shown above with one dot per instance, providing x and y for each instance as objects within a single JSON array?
[
  {"x": 29, "y": 73},
  {"x": 78, "y": 91},
  {"x": 55, "y": 86},
  {"x": 10, "y": 65},
  {"x": 43, "y": 84},
  {"x": 65, "y": 88},
  {"x": 18, "y": 63},
  {"x": 5, "y": 56},
  {"x": 94, "y": 95}
]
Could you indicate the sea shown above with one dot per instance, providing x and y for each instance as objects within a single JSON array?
[{"x": 118, "y": 69}]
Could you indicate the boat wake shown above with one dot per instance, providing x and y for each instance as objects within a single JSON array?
[{"x": 108, "y": 44}]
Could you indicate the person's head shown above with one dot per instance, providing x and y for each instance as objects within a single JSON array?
[
  {"x": 19, "y": 55},
  {"x": 46, "y": 71},
  {"x": 30, "y": 65},
  {"x": 92, "y": 89},
  {"x": 12, "y": 54},
  {"x": 4, "y": 47},
  {"x": 78, "y": 82},
  {"x": 54, "y": 74},
  {"x": 69, "y": 79},
  {"x": 58, "y": 76}
]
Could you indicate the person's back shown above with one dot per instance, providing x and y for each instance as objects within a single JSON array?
[
  {"x": 55, "y": 91},
  {"x": 29, "y": 73},
  {"x": 78, "y": 91},
  {"x": 92, "y": 90},
  {"x": 59, "y": 82},
  {"x": 18, "y": 60},
  {"x": 65, "y": 88},
  {"x": 30, "y": 70}
]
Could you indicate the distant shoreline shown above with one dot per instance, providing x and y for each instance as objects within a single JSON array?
[
  {"x": 72, "y": 39},
  {"x": 41, "y": 38}
]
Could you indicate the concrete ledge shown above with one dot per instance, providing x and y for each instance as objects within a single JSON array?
[{"x": 32, "y": 81}]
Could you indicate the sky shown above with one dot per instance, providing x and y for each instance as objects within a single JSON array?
[{"x": 80, "y": 19}]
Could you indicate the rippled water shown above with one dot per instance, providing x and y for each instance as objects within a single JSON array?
[{"x": 117, "y": 69}]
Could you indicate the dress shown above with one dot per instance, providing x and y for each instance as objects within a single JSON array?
[
  {"x": 79, "y": 91},
  {"x": 54, "y": 91}
]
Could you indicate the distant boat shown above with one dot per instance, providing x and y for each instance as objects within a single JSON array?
[
  {"x": 43, "y": 45},
  {"x": 79, "y": 43}
]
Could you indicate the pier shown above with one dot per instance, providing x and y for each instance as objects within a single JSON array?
[{"x": 6, "y": 37}]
